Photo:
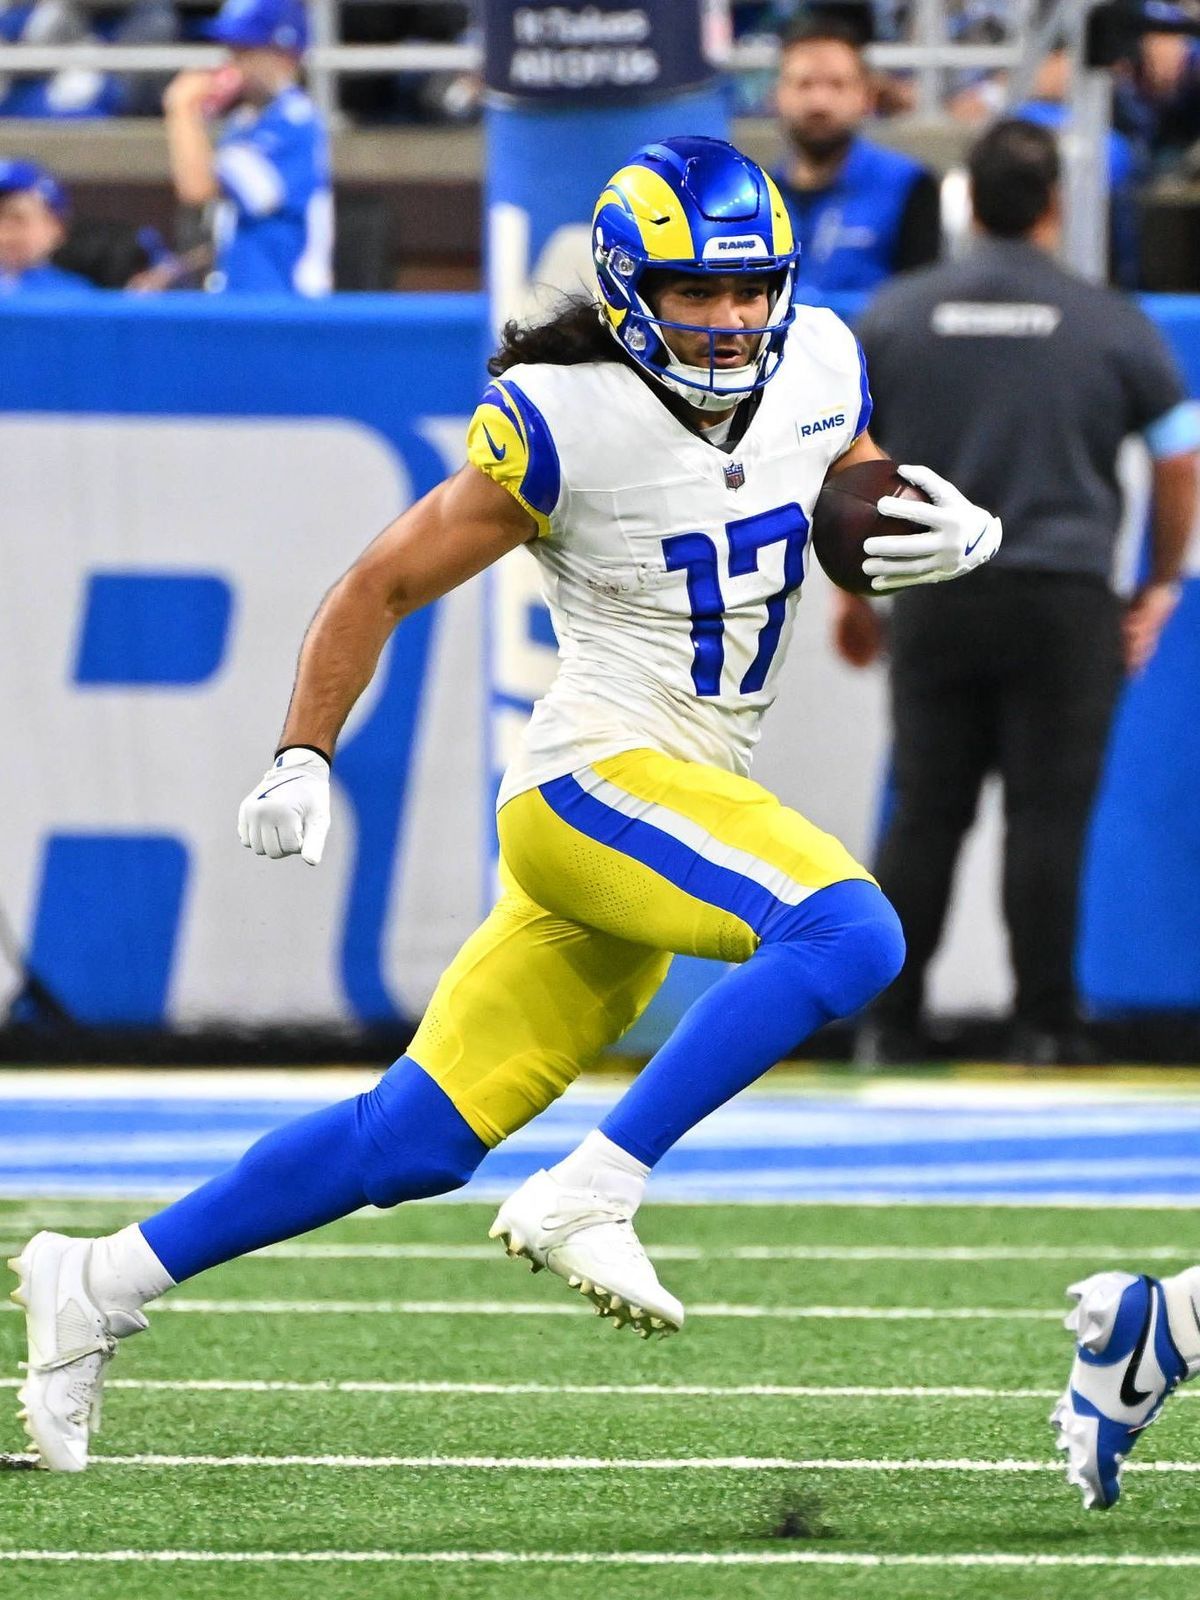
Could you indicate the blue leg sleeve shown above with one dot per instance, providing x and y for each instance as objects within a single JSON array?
[
  {"x": 403, "y": 1140},
  {"x": 826, "y": 958}
]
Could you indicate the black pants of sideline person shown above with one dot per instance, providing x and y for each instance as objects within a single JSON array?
[{"x": 1017, "y": 673}]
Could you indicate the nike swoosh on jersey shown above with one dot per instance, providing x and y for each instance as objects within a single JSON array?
[
  {"x": 499, "y": 452},
  {"x": 281, "y": 783},
  {"x": 1131, "y": 1395}
]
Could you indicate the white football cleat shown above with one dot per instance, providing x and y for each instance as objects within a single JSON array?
[
  {"x": 71, "y": 1342},
  {"x": 1136, "y": 1340},
  {"x": 588, "y": 1239}
]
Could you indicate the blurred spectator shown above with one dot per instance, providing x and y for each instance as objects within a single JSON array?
[
  {"x": 139, "y": 94},
  {"x": 33, "y": 210},
  {"x": 764, "y": 22},
  {"x": 1157, "y": 100},
  {"x": 1125, "y": 172},
  {"x": 80, "y": 91},
  {"x": 409, "y": 96},
  {"x": 119, "y": 255},
  {"x": 1048, "y": 107},
  {"x": 269, "y": 173},
  {"x": 1156, "y": 106},
  {"x": 860, "y": 212},
  {"x": 74, "y": 92}
]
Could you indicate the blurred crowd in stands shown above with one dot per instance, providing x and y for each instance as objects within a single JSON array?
[
  {"x": 1157, "y": 101},
  {"x": 1156, "y": 110},
  {"x": 249, "y": 146},
  {"x": 76, "y": 92}
]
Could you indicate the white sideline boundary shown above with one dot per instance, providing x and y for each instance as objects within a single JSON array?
[
  {"x": 668, "y": 1391},
  {"x": 536, "y": 1308},
  {"x": 615, "y": 1558},
  {"x": 1113, "y": 1086},
  {"x": 611, "y": 1463}
]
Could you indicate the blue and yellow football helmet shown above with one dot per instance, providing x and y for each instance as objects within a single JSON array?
[{"x": 698, "y": 206}]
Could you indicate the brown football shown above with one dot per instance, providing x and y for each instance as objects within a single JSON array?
[{"x": 844, "y": 518}]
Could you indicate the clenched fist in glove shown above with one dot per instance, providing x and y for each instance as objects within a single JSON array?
[
  {"x": 287, "y": 811},
  {"x": 955, "y": 536}
]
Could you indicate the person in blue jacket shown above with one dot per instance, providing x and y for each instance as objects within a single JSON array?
[
  {"x": 860, "y": 212},
  {"x": 267, "y": 176},
  {"x": 33, "y": 211}
]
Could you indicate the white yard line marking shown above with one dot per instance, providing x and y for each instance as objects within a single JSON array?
[
  {"x": 131, "y": 1196},
  {"x": 830, "y": 1252},
  {"x": 793, "y": 1169},
  {"x": 618, "y": 1463},
  {"x": 748, "y": 1252},
  {"x": 615, "y": 1558},
  {"x": 402, "y": 1252},
  {"x": 800, "y": 1083},
  {"x": 554, "y": 1308},
  {"x": 758, "y": 1391}
]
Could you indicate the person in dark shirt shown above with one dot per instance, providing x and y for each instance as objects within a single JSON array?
[
  {"x": 860, "y": 213},
  {"x": 1019, "y": 381}
]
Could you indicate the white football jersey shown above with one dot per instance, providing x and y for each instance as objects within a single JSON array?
[{"x": 671, "y": 567}]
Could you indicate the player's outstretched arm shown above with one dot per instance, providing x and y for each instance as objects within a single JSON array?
[{"x": 457, "y": 530}]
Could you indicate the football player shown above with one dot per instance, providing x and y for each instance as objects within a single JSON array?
[{"x": 659, "y": 452}]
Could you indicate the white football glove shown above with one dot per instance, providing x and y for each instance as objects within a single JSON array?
[
  {"x": 956, "y": 536},
  {"x": 287, "y": 811}
]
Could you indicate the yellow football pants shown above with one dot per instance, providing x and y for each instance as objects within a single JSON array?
[{"x": 605, "y": 874}]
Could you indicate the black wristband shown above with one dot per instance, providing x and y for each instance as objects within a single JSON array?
[{"x": 316, "y": 750}]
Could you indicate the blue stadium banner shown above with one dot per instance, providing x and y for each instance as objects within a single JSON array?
[
  {"x": 165, "y": 543},
  {"x": 185, "y": 475},
  {"x": 606, "y": 50}
]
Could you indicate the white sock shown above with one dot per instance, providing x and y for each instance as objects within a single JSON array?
[
  {"x": 123, "y": 1272},
  {"x": 602, "y": 1167}
]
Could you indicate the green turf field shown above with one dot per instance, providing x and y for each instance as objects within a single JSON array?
[{"x": 568, "y": 1393}]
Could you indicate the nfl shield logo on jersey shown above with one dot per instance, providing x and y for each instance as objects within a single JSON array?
[{"x": 735, "y": 475}]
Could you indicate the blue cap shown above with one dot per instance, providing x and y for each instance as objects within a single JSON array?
[
  {"x": 26, "y": 177},
  {"x": 255, "y": 24}
]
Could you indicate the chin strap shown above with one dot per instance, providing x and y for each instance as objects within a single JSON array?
[
  {"x": 694, "y": 383},
  {"x": 704, "y": 398}
]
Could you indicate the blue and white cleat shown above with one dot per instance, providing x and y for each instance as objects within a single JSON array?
[{"x": 1137, "y": 1338}]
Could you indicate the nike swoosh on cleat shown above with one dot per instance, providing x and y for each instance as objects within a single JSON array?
[
  {"x": 1131, "y": 1395},
  {"x": 498, "y": 453},
  {"x": 280, "y": 785}
]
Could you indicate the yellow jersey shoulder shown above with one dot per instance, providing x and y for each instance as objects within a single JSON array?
[{"x": 510, "y": 440}]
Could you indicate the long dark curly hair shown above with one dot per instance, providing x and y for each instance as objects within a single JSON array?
[{"x": 574, "y": 334}]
